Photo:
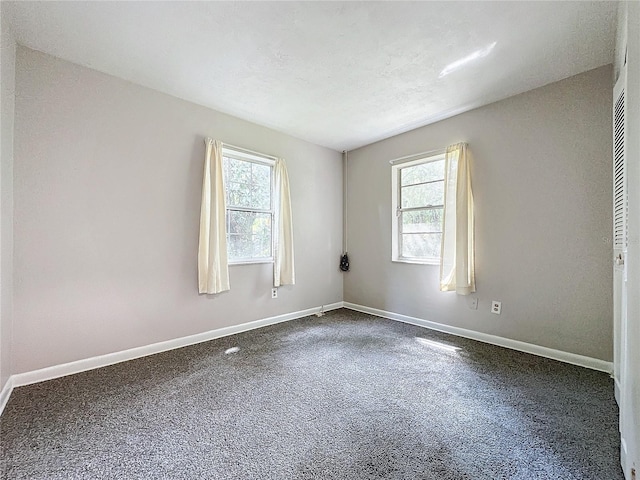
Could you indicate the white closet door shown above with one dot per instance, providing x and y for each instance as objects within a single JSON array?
[{"x": 620, "y": 243}]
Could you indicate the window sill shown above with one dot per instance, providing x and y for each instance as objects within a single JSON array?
[
  {"x": 416, "y": 261},
  {"x": 256, "y": 261}
]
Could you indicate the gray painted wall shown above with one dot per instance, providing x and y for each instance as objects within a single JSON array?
[
  {"x": 7, "y": 72},
  {"x": 541, "y": 177},
  {"x": 107, "y": 190}
]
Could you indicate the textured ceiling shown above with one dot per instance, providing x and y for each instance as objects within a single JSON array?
[{"x": 338, "y": 74}]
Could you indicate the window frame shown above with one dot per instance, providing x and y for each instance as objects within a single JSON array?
[
  {"x": 396, "y": 207},
  {"x": 250, "y": 157}
]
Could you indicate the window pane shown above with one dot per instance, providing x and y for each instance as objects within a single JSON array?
[
  {"x": 261, "y": 183},
  {"x": 248, "y": 184},
  {"x": 262, "y": 245},
  {"x": 237, "y": 170},
  {"x": 261, "y": 173},
  {"x": 249, "y": 235},
  {"x": 239, "y": 247},
  {"x": 422, "y": 221},
  {"x": 422, "y": 195},
  {"x": 425, "y": 172},
  {"x": 425, "y": 245},
  {"x": 261, "y": 196},
  {"x": 238, "y": 194},
  {"x": 249, "y": 223},
  {"x": 246, "y": 247}
]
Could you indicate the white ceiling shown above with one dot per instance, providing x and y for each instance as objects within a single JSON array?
[{"x": 338, "y": 74}]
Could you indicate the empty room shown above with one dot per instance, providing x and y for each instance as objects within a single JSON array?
[{"x": 320, "y": 240}]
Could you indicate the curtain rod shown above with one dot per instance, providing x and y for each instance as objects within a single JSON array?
[
  {"x": 415, "y": 156},
  {"x": 251, "y": 152}
]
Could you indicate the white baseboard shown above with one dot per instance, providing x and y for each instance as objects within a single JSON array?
[
  {"x": 573, "y": 358},
  {"x": 83, "y": 365},
  {"x": 5, "y": 393},
  {"x": 78, "y": 366}
]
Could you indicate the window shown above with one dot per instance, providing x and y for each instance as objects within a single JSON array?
[
  {"x": 418, "y": 207},
  {"x": 249, "y": 195}
]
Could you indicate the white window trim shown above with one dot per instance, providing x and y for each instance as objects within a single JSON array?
[
  {"x": 396, "y": 166},
  {"x": 244, "y": 155}
]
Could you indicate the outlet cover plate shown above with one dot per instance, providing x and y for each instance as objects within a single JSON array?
[
  {"x": 496, "y": 307},
  {"x": 274, "y": 293}
]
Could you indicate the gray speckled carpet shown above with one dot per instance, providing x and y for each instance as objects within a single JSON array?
[{"x": 346, "y": 396}]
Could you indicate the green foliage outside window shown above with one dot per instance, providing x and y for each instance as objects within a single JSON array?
[{"x": 249, "y": 209}]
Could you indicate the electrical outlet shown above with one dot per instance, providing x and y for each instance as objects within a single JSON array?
[
  {"x": 274, "y": 293},
  {"x": 472, "y": 303},
  {"x": 496, "y": 307},
  {"x": 633, "y": 474}
]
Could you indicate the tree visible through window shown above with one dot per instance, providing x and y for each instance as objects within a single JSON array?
[
  {"x": 249, "y": 196},
  {"x": 418, "y": 205}
]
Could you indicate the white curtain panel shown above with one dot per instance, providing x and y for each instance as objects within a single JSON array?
[
  {"x": 213, "y": 269},
  {"x": 457, "y": 270},
  {"x": 283, "y": 266}
]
